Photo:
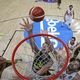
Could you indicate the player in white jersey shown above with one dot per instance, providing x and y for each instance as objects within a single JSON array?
[
  {"x": 71, "y": 72},
  {"x": 69, "y": 15},
  {"x": 71, "y": 45},
  {"x": 74, "y": 48}
]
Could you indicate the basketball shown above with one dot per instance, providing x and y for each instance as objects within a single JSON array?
[{"x": 36, "y": 14}]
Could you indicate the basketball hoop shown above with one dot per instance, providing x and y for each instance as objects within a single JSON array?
[{"x": 42, "y": 35}]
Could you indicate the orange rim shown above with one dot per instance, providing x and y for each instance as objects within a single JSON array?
[{"x": 50, "y": 78}]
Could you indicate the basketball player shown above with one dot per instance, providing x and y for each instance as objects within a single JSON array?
[
  {"x": 71, "y": 45},
  {"x": 4, "y": 64},
  {"x": 72, "y": 70},
  {"x": 59, "y": 3},
  {"x": 69, "y": 15},
  {"x": 42, "y": 61},
  {"x": 76, "y": 51}
]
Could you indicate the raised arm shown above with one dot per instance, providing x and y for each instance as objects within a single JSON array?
[
  {"x": 73, "y": 14},
  {"x": 29, "y": 27},
  {"x": 47, "y": 40},
  {"x": 77, "y": 76},
  {"x": 64, "y": 16}
]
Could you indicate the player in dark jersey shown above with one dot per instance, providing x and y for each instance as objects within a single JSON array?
[
  {"x": 76, "y": 51},
  {"x": 42, "y": 61}
]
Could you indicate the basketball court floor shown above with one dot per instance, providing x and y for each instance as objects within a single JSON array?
[{"x": 11, "y": 13}]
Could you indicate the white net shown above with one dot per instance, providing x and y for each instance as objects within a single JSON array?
[
  {"x": 25, "y": 53},
  {"x": 26, "y": 58}
]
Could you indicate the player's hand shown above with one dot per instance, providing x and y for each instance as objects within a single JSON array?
[
  {"x": 16, "y": 60},
  {"x": 26, "y": 25},
  {"x": 44, "y": 31},
  {"x": 2, "y": 60}
]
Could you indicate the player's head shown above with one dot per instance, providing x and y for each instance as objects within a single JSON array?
[
  {"x": 44, "y": 45},
  {"x": 74, "y": 65},
  {"x": 70, "y": 7},
  {"x": 72, "y": 40}
]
